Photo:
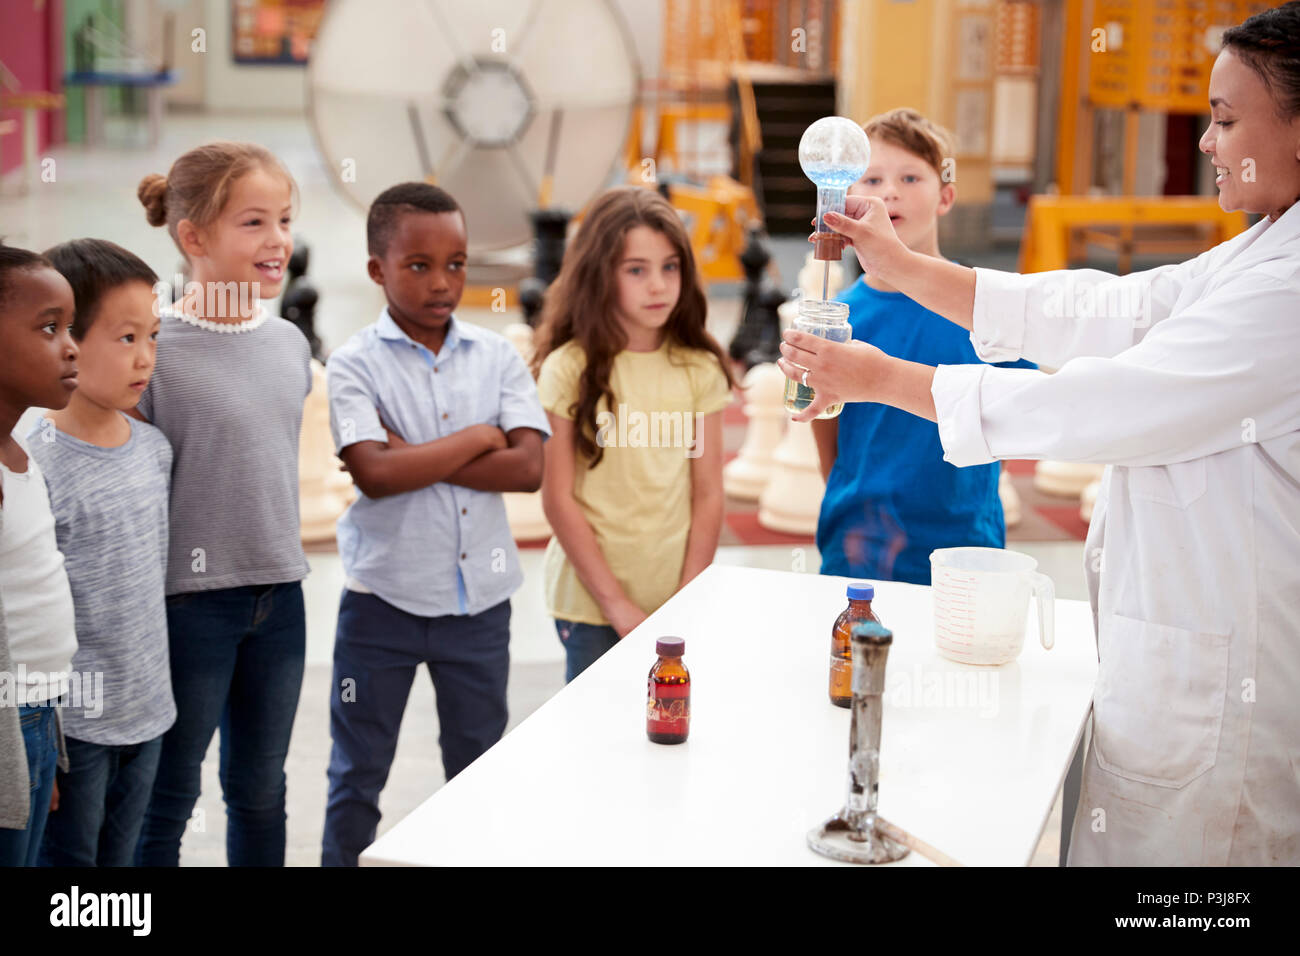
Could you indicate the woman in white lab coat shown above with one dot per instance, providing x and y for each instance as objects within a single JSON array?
[{"x": 1185, "y": 380}]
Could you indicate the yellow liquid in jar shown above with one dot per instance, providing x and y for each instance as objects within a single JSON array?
[{"x": 799, "y": 396}]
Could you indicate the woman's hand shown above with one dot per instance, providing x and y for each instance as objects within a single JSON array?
[
  {"x": 836, "y": 371},
  {"x": 866, "y": 226}
]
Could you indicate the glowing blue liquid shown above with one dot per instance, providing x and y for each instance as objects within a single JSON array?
[{"x": 835, "y": 177}]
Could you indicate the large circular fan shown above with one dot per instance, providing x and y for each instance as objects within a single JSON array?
[{"x": 482, "y": 98}]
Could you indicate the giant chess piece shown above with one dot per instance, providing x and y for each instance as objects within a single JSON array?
[
  {"x": 754, "y": 260},
  {"x": 792, "y": 499},
  {"x": 300, "y": 298},
  {"x": 532, "y": 296},
  {"x": 550, "y": 228},
  {"x": 324, "y": 491},
  {"x": 1010, "y": 498},
  {"x": 745, "y": 476},
  {"x": 1065, "y": 479},
  {"x": 1088, "y": 500},
  {"x": 767, "y": 328}
]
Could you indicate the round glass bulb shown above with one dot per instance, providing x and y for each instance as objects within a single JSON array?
[{"x": 834, "y": 152}]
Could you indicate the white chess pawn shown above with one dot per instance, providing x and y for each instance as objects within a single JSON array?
[
  {"x": 520, "y": 335},
  {"x": 1010, "y": 499},
  {"x": 810, "y": 278},
  {"x": 1088, "y": 500},
  {"x": 524, "y": 511},
  {"x": 324, "y": 491},
  {"x": 746, "y": 475},
  {"x": 1065, "y": 479},
  {"x": 793, "y": 497}
]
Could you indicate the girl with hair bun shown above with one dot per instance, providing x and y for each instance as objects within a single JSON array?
[{"x": 228, "y": 393}]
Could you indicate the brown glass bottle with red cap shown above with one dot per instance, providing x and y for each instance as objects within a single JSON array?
[
  {"x": 860, "y": 595},
  {"x": 668, "y": 702}
]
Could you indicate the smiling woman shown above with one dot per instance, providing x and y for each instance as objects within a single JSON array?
[
  {"x": 1186, "y": 389},
  {"x": 1255, "y": 115}
]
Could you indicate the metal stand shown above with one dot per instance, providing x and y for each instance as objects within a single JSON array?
[{"x": 855, "y": 834}]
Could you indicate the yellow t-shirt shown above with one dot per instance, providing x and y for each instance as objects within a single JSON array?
[{"x": 638, "y": 499}]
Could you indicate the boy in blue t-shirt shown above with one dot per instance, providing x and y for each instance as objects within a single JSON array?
[{"x": 890, "y": 497}]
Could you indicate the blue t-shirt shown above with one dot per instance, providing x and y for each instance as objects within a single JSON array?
[{"x": 891, "y": 498}]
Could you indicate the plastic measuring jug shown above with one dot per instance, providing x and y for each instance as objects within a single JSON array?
[{"x": 981, "y": 596}]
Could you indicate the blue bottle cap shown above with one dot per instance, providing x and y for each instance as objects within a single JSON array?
[{"x": 861, "y": 591}]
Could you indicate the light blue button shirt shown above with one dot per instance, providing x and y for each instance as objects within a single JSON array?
[{"x": 443, "y": 549}]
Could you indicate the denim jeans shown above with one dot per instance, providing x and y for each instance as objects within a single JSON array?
[
  {"x": 237, "y": 662},
  {"x": 583, "y": 644},
  {"x": 377, "y": 649},
  {"x": 41, "y": 739},
  {"x": 102, "y": 799}
]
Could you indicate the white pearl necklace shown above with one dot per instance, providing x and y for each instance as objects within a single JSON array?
[{"x": 247, "y": 325}]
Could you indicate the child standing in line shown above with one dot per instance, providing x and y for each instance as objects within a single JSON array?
[
  {"x": 109, "y": 478},
  {"x": 434, "y": 418},
  {"x": 38, "y": 368},
  {"x": 634, "y": 388},
  {"x": 228, "y": 393},
  {"x": 890, "y": 497}
]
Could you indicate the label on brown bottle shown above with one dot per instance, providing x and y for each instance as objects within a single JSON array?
[
  {"x": 668, "y": 708},
  {"x": 841, "y": 676}
]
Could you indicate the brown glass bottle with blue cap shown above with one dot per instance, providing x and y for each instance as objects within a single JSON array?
[
  {"x": 860, "y": 595},
  {"x": 668, "y": 702}
]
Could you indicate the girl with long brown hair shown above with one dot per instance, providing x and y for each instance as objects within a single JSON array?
[{"x": 634, "y": 388}]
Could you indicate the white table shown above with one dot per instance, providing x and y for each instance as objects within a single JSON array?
[{"x": 971, "y": 757}]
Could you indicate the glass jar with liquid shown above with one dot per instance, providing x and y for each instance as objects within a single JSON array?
[{"x": 827, "y": 320}]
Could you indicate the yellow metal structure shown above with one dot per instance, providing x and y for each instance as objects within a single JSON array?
[
  {"x": 1057, "y": 228},
  {"x": 717, "y": 217},
  {"x": 1135, "y": 55}
]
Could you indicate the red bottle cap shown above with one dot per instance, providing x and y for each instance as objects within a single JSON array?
[{"x": 670, "y": 646}]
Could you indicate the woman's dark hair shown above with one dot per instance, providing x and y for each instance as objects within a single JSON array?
[
  {"x": 580, "y": 304},
  {"x": 12, "y": 260},
  {"x": 94, "y": 267},
  {"x": 1269, "y": 43}
]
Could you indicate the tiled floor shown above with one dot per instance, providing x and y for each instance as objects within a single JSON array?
[{"x": 94, "y": 195}]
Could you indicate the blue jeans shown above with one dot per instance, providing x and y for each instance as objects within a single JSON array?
[
  {"x": 41, "y": 739},
  {"x": 583, "y": 644},
  {"x": 237, "y": 661},
  {"x": 102, "y": 799},
  {"x": 377, "y": 649}
]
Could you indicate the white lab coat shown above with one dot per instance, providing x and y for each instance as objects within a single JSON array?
[{"x": 1185, "y": 380}]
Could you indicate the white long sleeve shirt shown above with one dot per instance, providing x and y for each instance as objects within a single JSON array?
[{"x": 1186, "y": 381}]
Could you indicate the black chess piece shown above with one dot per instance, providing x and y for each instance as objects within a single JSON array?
[
  {"x": 550, "y": 230},
  {"x": 754, "y": 260},
  {"x": 299, "y": 306},
  {"x": 532, "y": 293},
  {"x": 300, "y": 298},
  {"x": 767, "y": 328},
  {"x": 298, "y": 262}
]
